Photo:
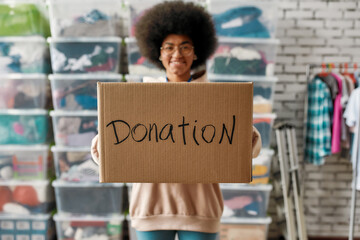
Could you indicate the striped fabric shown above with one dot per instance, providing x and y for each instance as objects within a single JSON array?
[{"x": 318, "y": 134}]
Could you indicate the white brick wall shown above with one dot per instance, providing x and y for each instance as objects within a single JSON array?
[{"x": 313, "y": 32}]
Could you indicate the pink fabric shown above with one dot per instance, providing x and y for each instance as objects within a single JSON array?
[
  {"x": 238, "y": 202},
  {"x": 336, "y": 128}
]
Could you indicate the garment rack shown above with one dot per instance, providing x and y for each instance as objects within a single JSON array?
[{"x": 356, "y": 142}]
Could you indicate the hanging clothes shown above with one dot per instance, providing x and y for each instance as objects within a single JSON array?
[
  {"x": 352, "y": 116},
  {"x": 332, "y": 84},
  {"x": 320, "y": 108},
  {"x": 337, "y": 116}
]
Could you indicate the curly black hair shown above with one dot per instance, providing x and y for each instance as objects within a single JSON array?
[{"x": 176, "y": 17}]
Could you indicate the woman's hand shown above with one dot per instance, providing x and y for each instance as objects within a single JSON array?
[
  {"x": 94, "y": 150},
  {"x": 256, "y": 143}
]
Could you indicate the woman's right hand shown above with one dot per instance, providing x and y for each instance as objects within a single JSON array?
[{"x": 95, "y": 150}]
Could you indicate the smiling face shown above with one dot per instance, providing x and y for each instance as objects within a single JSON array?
[{"x": 178, "y": 63}]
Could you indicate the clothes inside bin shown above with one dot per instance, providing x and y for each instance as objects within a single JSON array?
[
  {"x": 239, "y": 60},
  {"x": 19, "y": 129},
  {"x": 76, "y": 131},
  {"x": 22, "y": 19},
  {"x": 23, "y": 57},
  {"x": 22, "y": 94},
  {"x": 240, "y": 22},
  {"x": 247, "y": 204},
  {"x": 77, "y": 167},
  {"x": 92, "y": 24},
  {"x": 84, "y": 57},
  {"x": 77, "y": 96}
]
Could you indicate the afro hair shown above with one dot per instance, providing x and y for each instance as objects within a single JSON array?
[{"x": 176, "y": 17}]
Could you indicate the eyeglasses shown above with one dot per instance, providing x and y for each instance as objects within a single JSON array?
[{"x": 184, "y": 49}]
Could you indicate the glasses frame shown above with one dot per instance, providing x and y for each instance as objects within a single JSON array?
[{"x": 179, "y": 49}]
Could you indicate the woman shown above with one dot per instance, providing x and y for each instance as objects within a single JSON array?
[{"x": 178, "y": 37}]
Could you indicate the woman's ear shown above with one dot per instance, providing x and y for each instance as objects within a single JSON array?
[{"x": 195, "y": 57}]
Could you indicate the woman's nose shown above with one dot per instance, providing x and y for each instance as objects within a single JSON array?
[{"x": 177, "y": 52}]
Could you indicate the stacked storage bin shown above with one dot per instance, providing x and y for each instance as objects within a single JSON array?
[
  {"x": 246, "y": 53},
  {"x": 26, "y": 196},
  {"x": 85, "y": 48}
]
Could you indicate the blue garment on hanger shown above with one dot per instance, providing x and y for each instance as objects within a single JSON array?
[{"x": 251, "y": 27}]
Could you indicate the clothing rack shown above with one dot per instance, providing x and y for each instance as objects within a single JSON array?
[{"x": 356, "y": 142}]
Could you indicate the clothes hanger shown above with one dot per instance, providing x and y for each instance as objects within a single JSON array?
[{"x": 323, "y": 72}]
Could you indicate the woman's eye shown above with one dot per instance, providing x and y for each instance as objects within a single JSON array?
[{"x": 169, "y": 48}]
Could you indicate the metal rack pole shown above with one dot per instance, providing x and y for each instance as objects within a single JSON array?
[{"x": 355, "y": 158}]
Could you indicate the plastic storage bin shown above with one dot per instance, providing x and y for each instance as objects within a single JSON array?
[
  {"x": 24, "y": 55},
  {"x": 75, "y": 164},
  {"x": 261, "y": 166},
  {"x": 245, "y": 229},
  {"x": 254, "y": 19},
  {"x": 263, "y": 90},
  {"x": 85, "y": 54},
  {"x": 93, "y": 19},
  {"x": 23, "y": 18},
  {"x": 78, "y": 91},
  {"x": 35, "y": 227},
  {"x": 88, "y": 198},
  {"x": 23, "y": 126},
  {"x": 88, "y": 227},
  {"x": 264, "y": 123},
  {"x": 243, "y": 200},
  {"x": 26, "y": 197},
  {"x": 21, "y": 162},
  {"x": 74, "y": 129},
  {"x": 244, "y": 56},
  {"x": 23, "y": 91},
  {"x": 137, "y": 64}
]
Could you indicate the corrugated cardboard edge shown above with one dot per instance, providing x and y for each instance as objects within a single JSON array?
[{"x": 101, "y": 146}]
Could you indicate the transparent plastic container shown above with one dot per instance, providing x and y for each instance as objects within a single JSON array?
[
  {"x": 245, "y": 228},
  {"x": 24, "y": 55},
  {"x": 264, "y": 124},
  {"x": 263, "y": 90},
  {"x": 35, "y": 227},
  {"x": 244, "y": 200},
  {"x": 78, "y": 91},
  {"x": 75, "y": 164},
  {"x": 91, "y": 19},
  {"x": 241, "y": 18},
  {"x": 23, "y": 91},
  {"x": 72, "y": 227},
  {"x": 74, "y": 129},
  {"x": 137, "y": 64},
  {"x": 26, "y": 197},
  {"x": 81, "y": 198},
  {"x": 24, "y": 126},
  {"x": 22, "y": 162},
  {"x": 23, "y": 18},
  {"x": 244, "y": 56},
  {"x": 85, "y": 54},
  {"x": 261, "y": 166}
]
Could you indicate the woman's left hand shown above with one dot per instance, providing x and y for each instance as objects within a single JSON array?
[{"x": 256, "y": 142}]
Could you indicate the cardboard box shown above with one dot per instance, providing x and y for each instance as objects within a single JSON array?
[{"x": 175, "y": 132}]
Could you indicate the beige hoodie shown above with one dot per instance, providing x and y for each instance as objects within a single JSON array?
[{"x": 175, "y": 206}]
